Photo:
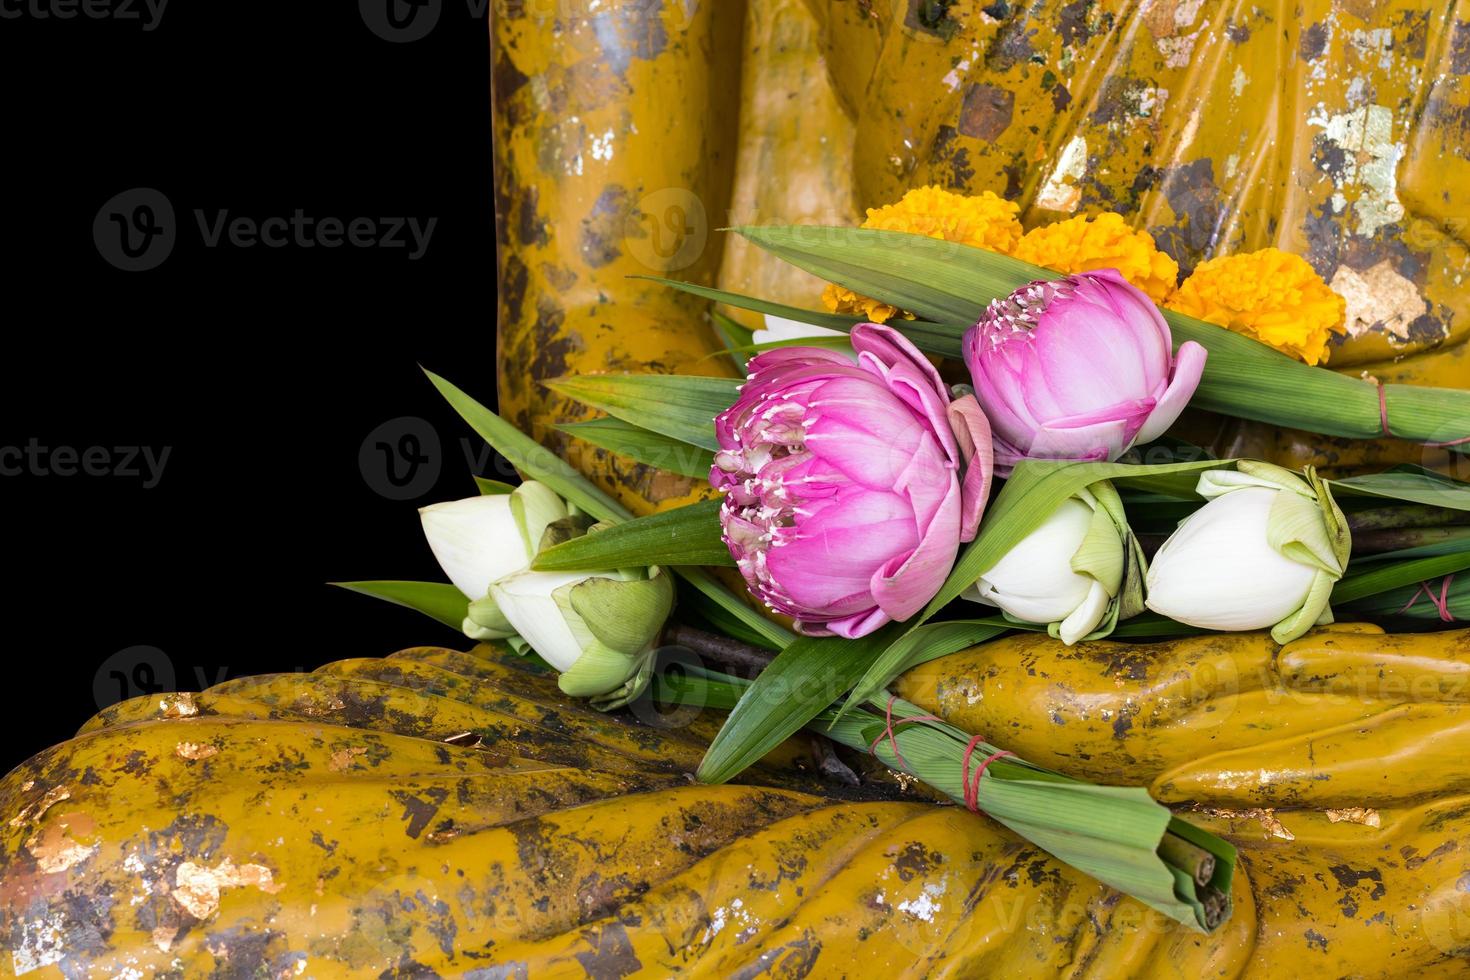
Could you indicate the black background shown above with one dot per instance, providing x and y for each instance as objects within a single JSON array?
[{"x": 262, "y": 370}]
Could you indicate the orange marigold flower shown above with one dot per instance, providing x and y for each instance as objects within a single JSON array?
[
  {"x": 1271, "y": 296},
  {"x": 983, "y": 221},
  {"x": 1082, "y": 244}
]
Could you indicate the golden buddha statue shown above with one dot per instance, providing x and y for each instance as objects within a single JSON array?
[
  {"x": 444, "y": 813},
  {"x": 626, "y": 135}
]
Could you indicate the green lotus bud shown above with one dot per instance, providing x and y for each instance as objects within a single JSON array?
[
  {"x": 1265, "y": 551},
  {"x": 598, "y": 628},
  {"x": 1079, "y": 572}
]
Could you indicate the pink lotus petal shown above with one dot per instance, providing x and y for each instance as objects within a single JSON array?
[
  {"x": 927, "y": 480},
  {"x": 892, "y": 347},
  {"x": 854, "y": 627},
  {"x": 905, "y": 584},
  {"x": 1098, "y": 441},
  {"x": 842, "y": 479},
  {"x": 1189, "y": 366},
  {"x": 872, "y": 446},
  {"x": 999, "y": 391},
  {"x": 831, "y": 556},
  {"x": 972, "y": 431}
]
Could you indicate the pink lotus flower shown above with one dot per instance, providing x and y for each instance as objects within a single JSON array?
[
  {"x": 847, "y": 489},
  {"x": 1080, "y": 368}
]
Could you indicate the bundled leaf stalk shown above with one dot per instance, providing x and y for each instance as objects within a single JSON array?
[
  {"x": 1118, "y": 835},
  {"x": 949, "y": 286}
]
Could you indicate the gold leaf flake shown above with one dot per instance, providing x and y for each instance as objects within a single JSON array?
[
  {"x": 198, "y": 888},
  {"x": 180, "y": 705},
  {"x": 345, "y": 758},
  {"x": 55, "y": 850},
  {"x": 33, "y": 811},
  {"x": 194, "y": 751},
  {"x": 1379, "y": 296},
  {"x": 1366, "y": 816},
  {"x": 1266, "y": 816}
]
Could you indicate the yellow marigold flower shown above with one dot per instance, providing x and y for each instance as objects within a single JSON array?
[
  {"x": 983, "y": 221},
  {"x": 1271, "y": 296},
  {"x": 1082, "y": 244}
]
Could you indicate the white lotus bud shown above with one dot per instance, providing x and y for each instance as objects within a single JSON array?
[
  {"x": 1265, "y": 551},
  {"x": 598, "y": 629},
  {"x": 481, "y": 539},
  {"x": 1070, "y": 573}
]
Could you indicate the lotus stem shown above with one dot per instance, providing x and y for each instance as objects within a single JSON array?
[
  {"x": 1411, "y": 516},
  {"x": 743, "y": 657},
  {"x": 1217, "y": 906},
  {"x": 1396, "y": 539}
]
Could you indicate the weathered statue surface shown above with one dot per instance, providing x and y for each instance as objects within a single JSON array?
[{"x": 452, "y": 814}]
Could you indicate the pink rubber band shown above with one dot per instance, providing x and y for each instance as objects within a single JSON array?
[
  {"x": 972, "y": 787},
  {"x": 1383, "y": 418},
  {"x": 1440, "y": 602},
  {"x": 890, "y": 732}
]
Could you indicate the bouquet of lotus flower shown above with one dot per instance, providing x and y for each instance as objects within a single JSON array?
[{"x": 884, "y": 507}]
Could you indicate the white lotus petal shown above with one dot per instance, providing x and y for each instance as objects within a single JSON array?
[
  {"x": 1217, "y": 571},
  {"x": 1086, "y": 617},
  {"x": 475, "y": 541},
  {"x": 1034, "y": 581},
  {"x": 526, "y": 601}
]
